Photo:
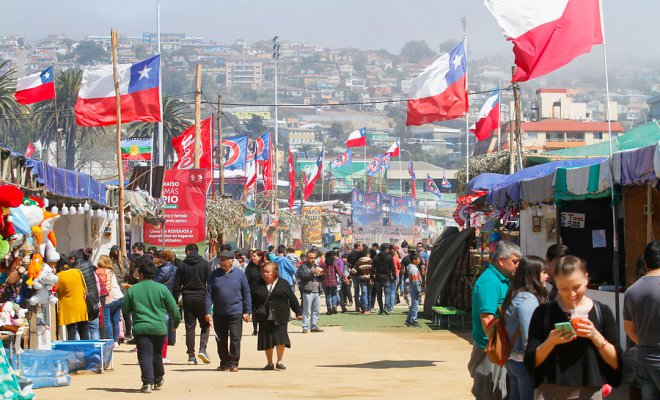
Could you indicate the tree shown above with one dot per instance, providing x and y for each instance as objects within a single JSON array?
[
  {"x": 12, "y": 114},
  {"x": 89, "y": 52},
  {"x": 176, "y": 83},
  {"x": 359, "y": 63},
  {"x": 336, "y": 130},
  {"x": 174, "y": 123},
  {"x": 415, "y": 51},
  {"x": 256, "y": 125},
  {"x": 66, "y": 87},
  {"x": 448, "y": 45}
]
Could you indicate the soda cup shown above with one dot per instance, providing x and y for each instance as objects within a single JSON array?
[{"x": 578, "y": 318}]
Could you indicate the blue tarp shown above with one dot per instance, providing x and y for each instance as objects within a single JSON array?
[
  {"x": 87, "y": 354},
  {"x": 505, "y": 189},
  {"x": 67, "y": 183}
]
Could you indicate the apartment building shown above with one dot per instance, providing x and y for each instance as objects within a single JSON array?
[{"x": 245, "y": 72}]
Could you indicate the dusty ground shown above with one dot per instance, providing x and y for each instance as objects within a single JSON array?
[{"x": 388, "y": 363}]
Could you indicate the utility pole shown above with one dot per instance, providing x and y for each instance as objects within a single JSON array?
[
  {"x": 516, "y": 99},
  {"x": 198, "y": 114},
  {"x": 120, "y": 167}
]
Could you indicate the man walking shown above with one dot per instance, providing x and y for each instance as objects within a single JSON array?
[
  {"x": 228, "y": 294},
  {"x": 487, "y": 295},
  {"x": 641, "y": 321},
  {"x": 382, "y": 274},
  {"x": 310, "y": 277},
  {"x": 191, "y": 280}
]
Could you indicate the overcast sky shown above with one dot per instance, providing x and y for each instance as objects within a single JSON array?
[{"x": 631, "y": 26}]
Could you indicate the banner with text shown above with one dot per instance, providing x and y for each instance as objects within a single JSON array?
[
  {"x": 312, "y": 234},
  {"x": 185, "y": 218}
]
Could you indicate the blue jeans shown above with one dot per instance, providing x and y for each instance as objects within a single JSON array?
[
  {"x": 356, "y": 293},
  {"x": 393, "y": 284},
  {"x": 415, "y": 291},
  {"x": 331, "y": 299},
  {"x": 521, "y": 383},
  {"x": 94, "y": 329},
  {"x": 648, "y": 376},
  {"x": 311, "y": 304},
  {"x": 365, "y": 288},
  {"x": 383, "y": 288},
  {"x": 111, "y": 315}
]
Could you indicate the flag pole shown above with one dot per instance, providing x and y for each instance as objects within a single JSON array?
[
  {"x": 221, "y": 168},
  {"x": 615, "y": 241},
  {"x": 366, "y": 163},
  {"x": 467, "y": 107},
  {"x": 499, "y": 114},
  {"x": 120, "y": 167},
  {"x": 57, "y": 124},
  {"x": 400, "y": 170},
  {"x": 198, "y": 111}
]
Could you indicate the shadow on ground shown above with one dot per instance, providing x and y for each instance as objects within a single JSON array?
[
  {"x": 115, "y": 390},
  {"x": 387, "y": 364}
]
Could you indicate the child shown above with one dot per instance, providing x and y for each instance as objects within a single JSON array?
[{"x": 415, "y": 289}]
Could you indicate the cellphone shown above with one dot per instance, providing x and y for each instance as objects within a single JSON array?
[{"x": 565, "y": 327}]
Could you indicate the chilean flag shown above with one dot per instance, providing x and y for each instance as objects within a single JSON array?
[
  {"x": 357, "y": 138},
  {"x": 292, "y": 181},
  {"x": 439, "y": 92},
  {"x": 29, "y": 151},
  {"x": 313, "y": 177},
  {"x": 411, "y": 171},
  {"x": 489, "y": 117},
  {"x": 547, "y": 35},
  {"x": 139, "y": 93},
  {"x": 394, "y": 150},
  {"x": 36, "y": 87}
]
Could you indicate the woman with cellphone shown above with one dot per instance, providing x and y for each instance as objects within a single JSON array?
[{"x": 573, "y": 345}]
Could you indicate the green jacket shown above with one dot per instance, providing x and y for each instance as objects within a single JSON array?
[{"x": 149, "y": 303}]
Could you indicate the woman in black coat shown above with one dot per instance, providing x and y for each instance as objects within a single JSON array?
[
  {"x": 276, "y": 295},
  {"x": 253, "y": 275}
]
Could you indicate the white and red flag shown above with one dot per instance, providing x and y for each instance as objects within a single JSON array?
[
  {"x": 36, "y": 87},
  {"x": 439, "y": 92},
  {"x": 184, "y": 145},
  {"x": 394, "y": 149},
  {"x": 357, "y": 138},
  {"x": 139, "y": 93},
  {"x": 313, "y": 177},
  {"x": 548, "y": 34},
  {"x": 489, "y": 117}
]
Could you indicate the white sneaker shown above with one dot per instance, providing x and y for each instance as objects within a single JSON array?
[
  {"x": 116, "y": 345},
  {"x": 166, "y": 360}
]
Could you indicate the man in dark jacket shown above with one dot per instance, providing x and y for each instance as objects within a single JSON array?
[
  {"x": 77, "y": 260},
  {"x": 191, "y": 280},
  {"x": 382, "y": 274},
  {"x": 309, "y": 278}
]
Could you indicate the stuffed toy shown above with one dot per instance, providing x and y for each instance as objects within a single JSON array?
[
  {"x": 34, "y": 269},
  {"x": 10, "y": 196},
  {"x": 19, "y": 315},
  {"x": 49, "y": 241},
  {"x": 32, "y": 208},
  {"x": 43, "y": 284},
  {"x": 4, "y": 248}
]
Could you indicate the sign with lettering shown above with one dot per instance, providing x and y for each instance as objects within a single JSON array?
[
  {"x": 185, "y": 211},
  {"x": 313, "y": 233},
  {"x": 572, "y": 220}
]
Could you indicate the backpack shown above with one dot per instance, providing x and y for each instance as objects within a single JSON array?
[{"x": 499, "y": 347}]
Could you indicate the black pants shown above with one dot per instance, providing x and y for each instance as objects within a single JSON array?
[
  {"x": 128, "y": 325},
  {"x": 150, "y": 357},
  {"x": 81, "y": 327},
  {"x": 228, "y": 332},
  {"x": 193, "y": 312}
]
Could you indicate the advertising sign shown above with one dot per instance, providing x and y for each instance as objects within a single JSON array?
[
  {"x": 313, "y": 233},
  {"x": 572, "y": 220},
  {"x": 185, "y": 206}
]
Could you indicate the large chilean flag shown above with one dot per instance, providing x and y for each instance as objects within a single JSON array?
[
  {"x": 489, "y": 117},
  {"x": 439, "y": 92},
  {"x": 36, "y": 87},
  {"x": 139, "y": 93},
  {"x": 547, "y": 34}
]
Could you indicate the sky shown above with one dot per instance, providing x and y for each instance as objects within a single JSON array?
[{"x": 631, "y": 26}]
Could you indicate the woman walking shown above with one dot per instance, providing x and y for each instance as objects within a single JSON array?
[
  {"x": 149, "y": 303},
  {"x": 573, "y": 347},
  {"x": 253, "y": 275},
  {"x": 525, "y": 294},
  {"x": 277, "y": 298}
]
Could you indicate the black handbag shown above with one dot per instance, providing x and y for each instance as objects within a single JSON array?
[
  {"x": 93, "y": 310},
  {"x": 264, "y": 312}
]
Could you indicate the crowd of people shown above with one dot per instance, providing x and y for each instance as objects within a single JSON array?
[{"x": 563, "y": 344}]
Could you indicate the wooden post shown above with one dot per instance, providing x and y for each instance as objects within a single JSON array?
[
  {"x": 221, "y": 166},
  {"x": 518, "y": 110},
  {"x": 198, "y": 112},
  {"x": 120, "y": 166}
]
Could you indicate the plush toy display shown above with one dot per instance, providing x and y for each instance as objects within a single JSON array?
[
  {"x": 43, "y": 284},
  {"x": 49, "y": 241},
  {"x": 10, "y": 196},
  {"x": 12, "y": 317}
]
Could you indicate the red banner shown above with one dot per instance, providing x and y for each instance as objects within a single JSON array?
[{"x": 185, "y": 217}]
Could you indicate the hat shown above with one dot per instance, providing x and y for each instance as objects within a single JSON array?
[{"x": 226, "y": 254}]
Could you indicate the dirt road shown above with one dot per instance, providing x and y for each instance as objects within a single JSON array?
[{"x": 399, "y": 362}]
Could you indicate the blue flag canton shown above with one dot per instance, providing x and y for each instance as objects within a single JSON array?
[
  {"x": 457, "y": 64},
  {"x": 144, "y": 75},
  {"x": 47, "y": 75}
]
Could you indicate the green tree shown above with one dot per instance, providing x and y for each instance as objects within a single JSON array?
[
  {"x": 448, "y": 45},
  {"x": 336, "y": 130},
  {"x": 66, "y": 87},
  {"x": 256, "y": 125},
  {"x": 176, "y": 83},
  {"x": 89, "y": 52},
  {"x": 12, "y": 114},
  {"x": 359, "y": 63},
  {"x": 174, "y": 123},
  {"x": 415, "y": 51}
]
